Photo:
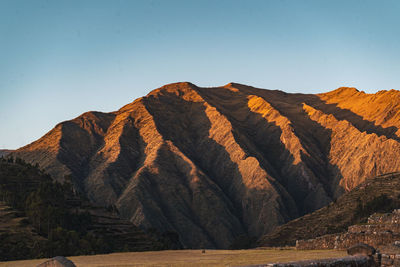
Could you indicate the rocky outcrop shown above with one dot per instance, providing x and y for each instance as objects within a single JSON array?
[
  {"x": 213, "y": 164},
  {"x": 58, "y": 261},
  {"x": 361, "y": 249}
]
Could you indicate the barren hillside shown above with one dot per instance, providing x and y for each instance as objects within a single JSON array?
[{"x": 216, "y": 163}]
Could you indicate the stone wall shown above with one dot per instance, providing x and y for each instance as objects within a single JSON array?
[
  {"x": 382, "y": 229},
  {"x": 371, "y": 228},
  {"x": 346, "y": 240},
  {"x": 388, "y": 260},
  {"x": 385, "y": 218},
  {"x": 390, "y": 255},
  {"x": 350, "y": 261},
  {"x": 322, "y": 242}
]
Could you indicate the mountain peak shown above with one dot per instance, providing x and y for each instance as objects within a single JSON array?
[
  {"x": 179, "y": 85},
  {"x": 232, "y": 84},
  {"x": 235, "y": 85},
  {"x": 344, "y": 91},
  {"x": 173, "y": 88}
]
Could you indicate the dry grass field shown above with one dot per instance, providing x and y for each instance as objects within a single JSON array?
[{"x": 191, "y": 258}]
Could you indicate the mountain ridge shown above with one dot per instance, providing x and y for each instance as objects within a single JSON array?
[{"x": 258, "y": 157}]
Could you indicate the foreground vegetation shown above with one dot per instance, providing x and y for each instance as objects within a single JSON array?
[
  {"x": 44, "y": 202},
  {"x": 44, "y": 218},
  {"x": 193, "y": 258}
]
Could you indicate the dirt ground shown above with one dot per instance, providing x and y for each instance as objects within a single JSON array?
[{"x": 192, "y": 258}]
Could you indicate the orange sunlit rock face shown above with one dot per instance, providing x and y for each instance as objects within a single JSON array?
[{"x": 217, "y": 163}]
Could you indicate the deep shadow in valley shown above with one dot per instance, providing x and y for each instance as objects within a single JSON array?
[
  {"x": 262, "y": 139},
  {"x": 187, "y": 126}
]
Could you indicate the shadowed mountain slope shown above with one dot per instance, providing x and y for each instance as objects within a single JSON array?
[{"x": 216, "y": 163}]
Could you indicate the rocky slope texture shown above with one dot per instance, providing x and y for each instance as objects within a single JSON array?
[
  {"x": 379, "y": 194},
  {"x": 216, "y": 163}
]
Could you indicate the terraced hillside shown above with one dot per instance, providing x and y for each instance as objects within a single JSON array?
[
  {"x": 43, "y": 218},
  {"x": 19, "y": 239},
  {"x": 379, "y": 194}
]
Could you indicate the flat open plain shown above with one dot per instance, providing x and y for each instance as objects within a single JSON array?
[{"x": 191, "y": 258}]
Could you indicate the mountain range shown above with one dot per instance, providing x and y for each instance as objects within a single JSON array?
[{"x": 213, "y": 164}]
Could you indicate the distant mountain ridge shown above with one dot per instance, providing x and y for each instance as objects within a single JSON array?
[
  {"x": 213, "y": 164},
  {"x": 5, "y": 152}
]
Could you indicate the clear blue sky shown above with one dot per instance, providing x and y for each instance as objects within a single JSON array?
[{"x": 59, "y": 59}]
